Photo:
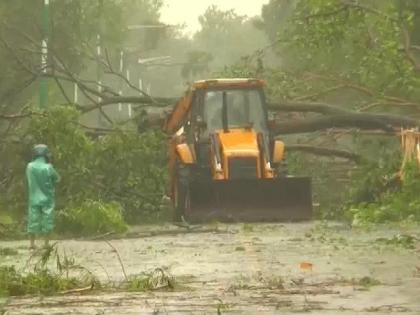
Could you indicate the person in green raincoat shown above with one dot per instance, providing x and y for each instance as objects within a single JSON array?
[{"x": 41, "y": 179}]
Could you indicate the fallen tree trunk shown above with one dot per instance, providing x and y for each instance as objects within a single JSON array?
[
  {"x": 305, "y": 107},
  {"x": 365, "y": 121},
  {"x": 324, "y": 152},
  {"x": 347, "y": 117}
]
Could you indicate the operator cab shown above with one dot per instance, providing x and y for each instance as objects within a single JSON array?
[
  {"x": 224, "y": 106},
  {"x": 228, "y": 105},
  {"x": 244, "y": 109}
]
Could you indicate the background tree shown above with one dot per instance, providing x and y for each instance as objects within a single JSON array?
[
  {"x": 227, "y": 36},
  {"x": 353, "y": 55},
  {"x": 334, "y": 69}
]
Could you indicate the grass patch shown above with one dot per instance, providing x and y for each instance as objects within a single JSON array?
[
  {"x": 40, "y": 282},
  {"x": 7, "y": 251},
  {"x": 240, "y": 249},
  {"x": 56, "y": 274},
  {"x": 9, "y": 227}
]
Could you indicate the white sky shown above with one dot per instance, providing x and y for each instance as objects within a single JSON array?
[{"x": 188, "y": 11}]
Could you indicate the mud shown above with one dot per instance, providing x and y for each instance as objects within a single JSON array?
[{"x": 245, "y": 269}]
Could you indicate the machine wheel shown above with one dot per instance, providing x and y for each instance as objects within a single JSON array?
[
  {"x": 282, "y": 169},
  {"x": 181, "y": 193}
]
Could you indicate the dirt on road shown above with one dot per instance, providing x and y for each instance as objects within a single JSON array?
[{"x": 308, "y": 268}]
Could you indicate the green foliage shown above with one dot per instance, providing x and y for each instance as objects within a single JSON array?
[
  {"x": 227, "y": 36},
  {"x": 132, "y": 170},
  {"x": 392, "y": 206},
  {"x": 8, "y": 227},
  {"x": 7, "y": 251},
  {"x": 122, "y": 167},
  {"x": 327, "y": 30},
  {"x": 74, "y": 26},
  {"x": 42, "y": 282},
  {"x": 274, "y": 16},
  {"x": 328, "y": 188},
  {"x": 92, "y": 217},
  {"x": 325, "y": 43},
  {"x": 378, "y": 175}
]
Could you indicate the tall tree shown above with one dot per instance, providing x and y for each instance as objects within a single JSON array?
[{"x": 227, "y": 36}]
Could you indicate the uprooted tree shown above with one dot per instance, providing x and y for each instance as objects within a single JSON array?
[{"x": 347, "y": 69}]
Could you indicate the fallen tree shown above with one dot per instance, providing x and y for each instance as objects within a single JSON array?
[
  {"x": 306, "y": 107},
  {"x": 327, "y": 152},
  {"x": 337, "y": 117}
]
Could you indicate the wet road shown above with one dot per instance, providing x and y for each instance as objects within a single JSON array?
[{"x": 246, "y": 269}]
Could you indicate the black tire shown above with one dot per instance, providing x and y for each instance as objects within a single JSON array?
[
  {"x": 282, "y": 169},
  {"x": 182, "y": 196}
]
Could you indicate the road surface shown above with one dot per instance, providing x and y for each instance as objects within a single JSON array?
[{"x": 305, "y": 268}]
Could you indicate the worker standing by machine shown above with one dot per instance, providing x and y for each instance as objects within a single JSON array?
[{"x": 41, "y": 179}]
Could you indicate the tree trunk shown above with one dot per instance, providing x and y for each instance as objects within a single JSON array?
[
  {"x": 365, "y": 121},
  {"x": 324, "y": 152}
]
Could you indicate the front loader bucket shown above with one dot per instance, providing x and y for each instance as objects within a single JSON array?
[{"x": 251, "y": 200}]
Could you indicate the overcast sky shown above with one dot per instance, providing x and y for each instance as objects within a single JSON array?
[{"x": 188, "y": 11}]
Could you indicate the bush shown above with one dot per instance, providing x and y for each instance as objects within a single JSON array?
[
  {"x": 392, "y": 206},
  {"x": 9, "y": 228},
  {"x": 133, "y": 172},
  {"x": 122, "y": 166},
  {"x": 92, "y": 217}
]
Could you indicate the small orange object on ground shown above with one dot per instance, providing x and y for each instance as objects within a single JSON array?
[{"x": 306, "y": 266}]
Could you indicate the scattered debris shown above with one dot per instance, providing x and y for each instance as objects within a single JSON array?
[
  {"x": 159, "y": 279},
  {"x": 363, "y": 283},
  {"x": 388, "y": 308},
  {"x": 221, "y": 306},
  {"x": 402, "y": 240}
]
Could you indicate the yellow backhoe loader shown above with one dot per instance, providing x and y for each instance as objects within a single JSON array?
[{"x": 224, "y": 160}]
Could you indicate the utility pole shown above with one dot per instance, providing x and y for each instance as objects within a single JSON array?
[
  {"x": 43, "y": 84},
  {"x": 120, "y": 92},
  {"x": 75, "y": 93},
  {"x": 129, "y": 105},
  {"x": 99, "y": 56}
]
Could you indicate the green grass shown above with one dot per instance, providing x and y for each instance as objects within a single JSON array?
[
  {"x": 42, "y": 282},
  {"x": 7, "y": 251}
]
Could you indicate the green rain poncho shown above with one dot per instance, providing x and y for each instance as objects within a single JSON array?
[{"x": 42, "y": 178}]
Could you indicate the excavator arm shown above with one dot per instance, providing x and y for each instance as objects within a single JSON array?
[{"x": 179, "y": 114}]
